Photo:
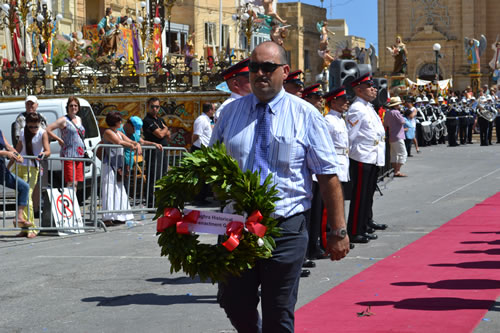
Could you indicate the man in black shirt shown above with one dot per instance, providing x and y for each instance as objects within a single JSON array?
[{"x": 155, "y": 130}]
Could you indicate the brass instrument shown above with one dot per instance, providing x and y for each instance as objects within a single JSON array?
[{"x": 487, "y": 112}]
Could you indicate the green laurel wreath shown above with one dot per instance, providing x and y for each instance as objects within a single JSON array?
[{"x": 182, "y": 183}]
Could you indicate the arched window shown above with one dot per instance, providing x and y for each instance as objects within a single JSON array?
[{"x": 428, "y": 72}]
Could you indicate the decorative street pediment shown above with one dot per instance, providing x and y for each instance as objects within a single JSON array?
[{"x": 429, "y": 32}]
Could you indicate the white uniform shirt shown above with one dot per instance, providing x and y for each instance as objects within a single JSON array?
[
  {"x": 366, "y": 133},
  {"x": 202, "y": 127},
  {"x": 226, "y": 102},
  {"x": 340, "y": 137}
]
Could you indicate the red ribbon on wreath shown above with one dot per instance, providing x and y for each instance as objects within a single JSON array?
[
  {"x": 234, "y": 230},
  {"x": 172, "y": 216}
]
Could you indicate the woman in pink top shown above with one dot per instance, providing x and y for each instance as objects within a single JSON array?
[{"x": 394, "y": 123}]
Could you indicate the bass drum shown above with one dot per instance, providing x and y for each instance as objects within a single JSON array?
[{"x": 427, "y": 131}]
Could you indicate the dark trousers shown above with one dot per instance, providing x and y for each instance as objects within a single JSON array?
[
  {"x": 497, "y": 126},
  {"x": 462, "y": 129},
  {"x": 364, "y": 183},
  {"x": 490, "y": 131},
  {"x": 278, "y": 278},
  {"x": 408, "y": 143},
  {"x": 451, "y": 125},
  {"x": 470, "y": 129},
  {"x": 315, "y": 217},
  {"x": 483, "y": 130},
  {"x": 156, "y": 167}
]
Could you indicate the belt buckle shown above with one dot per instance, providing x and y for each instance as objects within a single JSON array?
[{"x": 375, "y": 142}]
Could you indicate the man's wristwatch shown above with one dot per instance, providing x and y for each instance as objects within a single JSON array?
[{"x": 341, "y": 233}]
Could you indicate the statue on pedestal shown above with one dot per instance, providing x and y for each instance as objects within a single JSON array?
[
  {"x": 109, "y": 31},
  {"x": 474, "y": 49},
  {"x": 400, "y": 55},
  {"x": 495, "y": 61}
]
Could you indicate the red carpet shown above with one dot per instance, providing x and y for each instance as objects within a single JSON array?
[{"x": 444, "y": 282}]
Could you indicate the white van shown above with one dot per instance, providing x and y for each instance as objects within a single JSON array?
[{"x": 53, "y": 109}]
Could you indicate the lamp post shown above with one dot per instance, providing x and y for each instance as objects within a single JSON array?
[
  {"x": 247, "y": 24},
  {"x": 146, "y": 22},
  {"x": 169, "y": 4},
  {"x": 47, "y": 25},
  {"x": 437, "y": 47}
]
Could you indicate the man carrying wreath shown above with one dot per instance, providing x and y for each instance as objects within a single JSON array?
[{"x": 280, "y": 135}]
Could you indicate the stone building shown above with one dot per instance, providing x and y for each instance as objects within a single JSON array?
[
  {"x": 303, "y": 39},
  {"x": 341, "y": 30},
  {"x": 423, "y": 23}
]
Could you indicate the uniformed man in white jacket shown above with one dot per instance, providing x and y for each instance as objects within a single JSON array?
[{"x": 366, "y": 155}]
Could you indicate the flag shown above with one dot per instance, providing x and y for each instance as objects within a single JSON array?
[
  {"x": 16, "y": 41},
  {"x": 8, "y": 45},
  {"x": 136, "y": 46},
  {"x": 29, "y": 50},
  {"x": 157, "y": 37}
]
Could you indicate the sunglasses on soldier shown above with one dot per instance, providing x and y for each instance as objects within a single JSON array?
[{"x": 267, "y": 67}]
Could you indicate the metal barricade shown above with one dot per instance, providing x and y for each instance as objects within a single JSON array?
[
  {"x": 127, "y": 180},
  {"x": 47, "y": 190}
]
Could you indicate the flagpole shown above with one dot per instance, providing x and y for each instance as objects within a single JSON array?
[{"x": 220, "y": 27}]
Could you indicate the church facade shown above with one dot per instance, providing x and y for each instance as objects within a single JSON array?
[{"x": 422, "y": 23}]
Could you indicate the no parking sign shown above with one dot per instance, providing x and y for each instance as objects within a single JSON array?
[{"x": 65, "y": 210}]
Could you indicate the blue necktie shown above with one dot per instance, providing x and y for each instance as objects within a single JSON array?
[{"x": 262, "y": 139}]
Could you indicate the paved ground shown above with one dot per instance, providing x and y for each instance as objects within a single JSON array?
[{"x": 117, "y": 282}]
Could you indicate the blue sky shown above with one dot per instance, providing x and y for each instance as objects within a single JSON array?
[{"x": 360, "y": 15}]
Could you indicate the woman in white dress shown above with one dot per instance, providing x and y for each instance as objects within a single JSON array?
[{"x": 113, "y": 195}]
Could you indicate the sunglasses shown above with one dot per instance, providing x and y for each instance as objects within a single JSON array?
[
  {"x": 33, "y": 127},
  {"x": 154, "y": 106},
  {"x": 266, "y": 67}
]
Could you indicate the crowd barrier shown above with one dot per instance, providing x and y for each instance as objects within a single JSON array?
[
  {"x": 51, "y": 206},
  {"x": 118, "y": 186},
  {"x": 99, "y": 197}
]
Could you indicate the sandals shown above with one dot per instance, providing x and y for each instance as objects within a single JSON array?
[
  {"x": 108, "y": 223},
  {"x": 24, "y": 224}
]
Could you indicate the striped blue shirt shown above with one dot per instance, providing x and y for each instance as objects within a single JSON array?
[{"x": 300, "y": 145}]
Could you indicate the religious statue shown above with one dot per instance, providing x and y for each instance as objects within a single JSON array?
[
  {"x": 495, "y": 61},
  {"x": 189, "y": 50},
  {"x": 278, "y": 33},
  {"x": 400, "y": 55},
  {"x": 76, "y": 45},
  {"x": 474, "y": 49},
  {"x": 366, "y": 55},
  {"x": 108, "y": 29},
  {"x": 322, "y": 28},
  {"x": 327, "y": 57},
  {"x": 268, "y": 9}
]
